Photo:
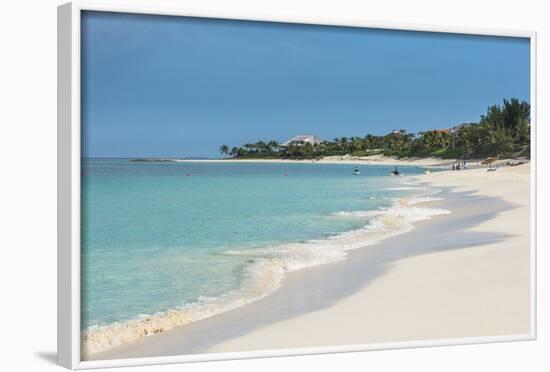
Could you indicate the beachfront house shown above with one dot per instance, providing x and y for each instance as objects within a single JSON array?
[
  {"x": 397, "y": 133},
  {"x": 302, "y": 139},
  {"x": 456, "y": 128}
]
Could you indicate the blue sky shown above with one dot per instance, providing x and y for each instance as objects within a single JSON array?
[{"x": 176, "y": 86}]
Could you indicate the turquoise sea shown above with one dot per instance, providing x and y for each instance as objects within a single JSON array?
[{"x": 205, "y": 237}]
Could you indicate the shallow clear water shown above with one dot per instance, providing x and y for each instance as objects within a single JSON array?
[{"x": 156, "y": 236}]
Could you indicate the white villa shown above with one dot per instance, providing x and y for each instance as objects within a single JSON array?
[{"x": 302, "y": 139}]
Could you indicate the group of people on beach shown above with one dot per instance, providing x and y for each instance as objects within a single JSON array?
[{"x": 460, "y": 165}]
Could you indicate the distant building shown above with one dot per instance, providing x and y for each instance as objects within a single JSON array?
[
  {"x": 460, "y": 126},
  {"x": 397, "y": 133},
  {"x": 302, "y": 139}
]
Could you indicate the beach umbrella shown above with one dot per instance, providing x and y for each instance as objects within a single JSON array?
[{"x": 489, "y": 160}]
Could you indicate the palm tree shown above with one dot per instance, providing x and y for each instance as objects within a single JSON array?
[
  {"x": 241, "y": 152},
  {"x": 355, "y": 144},
  {"x": 523, "y": 132},
  {"x": 514, "y": 112},
  {"x": 273, "y": 145},
  {"x": 224, "y": 150},
  {"x": 261, "y": 146},
  {"x": 344, "y": 144},
  {"x": 368, "y": 141},
  {"x": 249, "y": 147},
  {"x": 501, "y": 141},
  {"x": 307, "y": 150}
]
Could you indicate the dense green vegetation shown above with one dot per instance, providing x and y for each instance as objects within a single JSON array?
[{"x": 504, "y": 131}]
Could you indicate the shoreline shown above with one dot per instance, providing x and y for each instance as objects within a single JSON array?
[
  {"x": 367, "y": 160},
  {"x": 427, "y": 162},
  {"x": 269, "y": 325},
  {"x": 395, "y": 219}
]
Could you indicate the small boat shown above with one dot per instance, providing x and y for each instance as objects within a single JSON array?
[
  {"x": 427, "y": 171},
  {"x": 356, "y": 171},
  {"x": 395, "y": 172}
]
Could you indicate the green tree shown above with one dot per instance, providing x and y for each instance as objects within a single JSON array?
[
  {"x": 273, "y": 146},
  {"x": 224, "y": 150},
  {"x": 501, "y": 141},
  {"x": 515, "y": 112}
]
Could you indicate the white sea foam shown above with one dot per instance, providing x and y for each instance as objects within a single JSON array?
[
  {"x": 406, "y": 188},
  {"x": 360, "y": 214},
  {"x": 266, "y": 272}
]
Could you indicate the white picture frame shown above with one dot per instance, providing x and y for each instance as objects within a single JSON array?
[{"x": 69, "y": 158}]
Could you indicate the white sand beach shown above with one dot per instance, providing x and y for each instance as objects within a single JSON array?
[{"x": 464, "y": 274}]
